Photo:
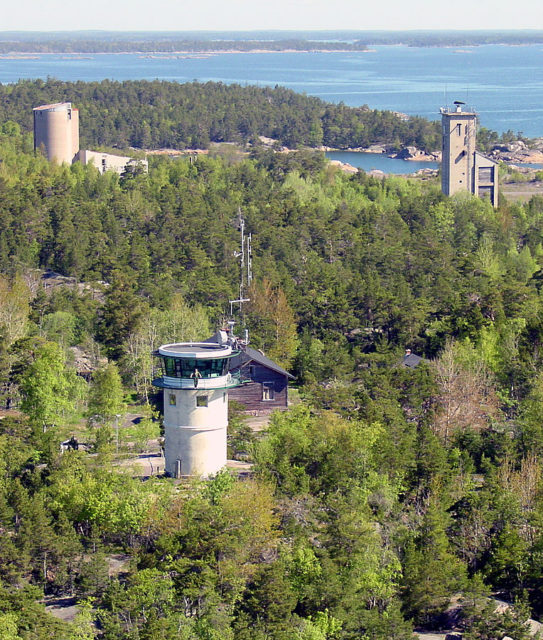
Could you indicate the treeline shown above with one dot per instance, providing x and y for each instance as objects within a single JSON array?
[
  {"x": 326, "y": 40},
  {"x": 454, "y": 38},
  {"x": 388, "y": 498},
  {"x": 169, "y": 45},
  {"x": 167, "y": 114}
]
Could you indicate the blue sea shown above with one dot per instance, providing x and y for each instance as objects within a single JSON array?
[
  {"x": 380, "y": 161},
  {"x": 503, "y": 83}
]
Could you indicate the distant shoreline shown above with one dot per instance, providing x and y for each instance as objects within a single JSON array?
[
  {"x": 162, "y": 54},
  {"x": 84, "y": 54}
]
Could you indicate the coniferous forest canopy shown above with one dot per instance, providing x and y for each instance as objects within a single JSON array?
[
  {"x": 159, "y": 114},
  {"x": 385, "y": 497}
]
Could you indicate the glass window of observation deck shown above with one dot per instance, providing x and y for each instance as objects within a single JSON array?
[{"x": 185, "y": 367}]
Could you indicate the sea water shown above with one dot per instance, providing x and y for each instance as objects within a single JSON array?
[
  {"x": 503, "y": 83},
  {"x": 380, "y": 161}
]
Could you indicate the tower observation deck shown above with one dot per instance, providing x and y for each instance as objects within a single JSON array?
[{"x": 195, "y": 380}]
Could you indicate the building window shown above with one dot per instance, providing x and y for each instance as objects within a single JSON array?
[
  {"x": 224, "y": 396},
  {"x": 486, "y": 192},
  {"x": 485, "y": 174},
  {"x": 201, "y": 401},
  {"x": 268, "y": 391},
  {"x": 252, "y": 370},
  {"x": 459, "y": 129},
  {"x": 173, "y": 400}
]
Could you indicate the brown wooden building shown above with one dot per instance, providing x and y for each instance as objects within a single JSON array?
[{"x": 264, "y": 384}]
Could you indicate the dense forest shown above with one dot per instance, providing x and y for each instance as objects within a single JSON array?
[
  {"x": 387, "y": 498},
  {"x": 159, "y": 114}
]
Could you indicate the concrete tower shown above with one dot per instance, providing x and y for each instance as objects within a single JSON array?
[
  {"x": 195, "y": 380},
  {"x": 462, "y": 167},
  {"x": 56, "y": 127},
  {"x": 459, "y": 136}
]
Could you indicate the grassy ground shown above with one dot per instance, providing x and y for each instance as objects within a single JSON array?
[{"x": 521, "y": 191}]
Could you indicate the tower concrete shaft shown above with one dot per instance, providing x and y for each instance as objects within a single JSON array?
[
  {"x": 56, "y": 130},
  {"x": 459, "y": 130},
  {"x": 463, "y": 168},
  {"x": 195, "y": 381}
]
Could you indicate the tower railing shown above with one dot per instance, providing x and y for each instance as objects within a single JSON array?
[
  {"x": 220, "y": 382},
  {"x": 464, "y": 110}
]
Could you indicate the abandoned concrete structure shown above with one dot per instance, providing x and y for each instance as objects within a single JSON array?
[
  {"x": 463, "y": 168},
  {"x": 56, "y": 132}
]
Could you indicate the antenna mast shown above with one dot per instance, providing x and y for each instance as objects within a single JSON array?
[
  {"x": 249, "y": 259},
  {"x": 246, "y": 266}
]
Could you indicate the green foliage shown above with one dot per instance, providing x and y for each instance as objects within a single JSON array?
[
  {"x": 431, "y": 572},
  {"x": 45, "y": 387},
  {"x": 373, "y": 502},
  {"x": 485, "y": 621},
  {"x": 60, "y": 327},
  {"x": 191, "y": 115},
  {"x": 106, "y": 398}
]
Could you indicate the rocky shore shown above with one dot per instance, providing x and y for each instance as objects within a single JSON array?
[
  {"x": 407, "y": 153},
  {"x": 518, "y": 152}
]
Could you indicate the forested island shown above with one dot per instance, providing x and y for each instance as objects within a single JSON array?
[
  {"x": 217, "y": 41},
  {"x": 162, "y": 114},
  {"x": 170, "y": 45},
  {"x": 387, "y": 498}
]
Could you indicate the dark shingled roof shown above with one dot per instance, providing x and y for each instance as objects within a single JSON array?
[
  {"x": 411, "y": 360},
  {"x": 248, "y": 354}
]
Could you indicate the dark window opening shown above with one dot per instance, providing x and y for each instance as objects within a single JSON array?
[
  {"x": 486, "y": 192},
  {"x": 268, "y": 391},
  {"x": 485, "y": 174},
  {"x": 201, "y": 401}
]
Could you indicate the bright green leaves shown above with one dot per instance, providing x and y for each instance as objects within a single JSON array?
[{"x": 45, "y": 387}]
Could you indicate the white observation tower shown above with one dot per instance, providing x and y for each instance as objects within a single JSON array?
[{"x": 195, "y": 380}]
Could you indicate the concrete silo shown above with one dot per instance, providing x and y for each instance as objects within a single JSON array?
[{"x": 56, "y": 130}]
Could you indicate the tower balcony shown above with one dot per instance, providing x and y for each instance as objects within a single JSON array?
[{"x": 220, "y": 382}]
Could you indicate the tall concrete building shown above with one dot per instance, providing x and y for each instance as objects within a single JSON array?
[
  {"x": 56, "y": 130},
  {"x": 462, "y": 167},
  {"x": 196, "y": 380}
]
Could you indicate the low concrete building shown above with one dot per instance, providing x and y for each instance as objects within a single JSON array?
[{"x": 110, "y": 162}]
